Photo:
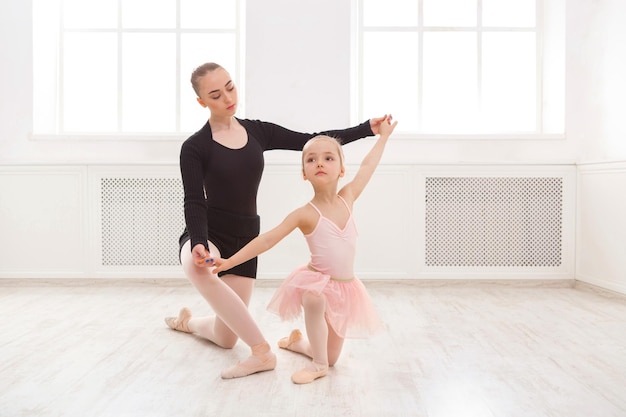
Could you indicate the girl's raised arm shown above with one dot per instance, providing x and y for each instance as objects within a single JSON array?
[{"x": 354, "y": 188}]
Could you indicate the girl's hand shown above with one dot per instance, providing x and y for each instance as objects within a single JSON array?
[
  {"x": 220, "y": 265},
  {"x": 387, "y": 126},
  {"x": 201, "y": 257},
  {"x": 375, "y": 124}
]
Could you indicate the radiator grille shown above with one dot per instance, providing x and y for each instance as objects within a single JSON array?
[
  {"x": 142, "y": 219},
  {"x": 499, "y": 221}
]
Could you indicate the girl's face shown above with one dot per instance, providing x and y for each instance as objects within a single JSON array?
[
  {"x": 322, "y": 161},
  {"x": 218, "y": 93}
]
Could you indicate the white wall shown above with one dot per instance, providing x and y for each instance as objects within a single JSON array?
[
  {"x": 596, "y": 86},
  {"x": 596, "y": 105},
  {"x": 298, "y": 74},
  {"x": 297, "y": 62}
]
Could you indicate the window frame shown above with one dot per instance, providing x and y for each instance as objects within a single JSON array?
[
  {"x": 547, "y": 12},
  {"x": 59, "y": 134}
]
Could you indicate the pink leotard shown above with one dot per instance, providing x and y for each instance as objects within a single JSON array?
[{"x": 332, "y": 248}]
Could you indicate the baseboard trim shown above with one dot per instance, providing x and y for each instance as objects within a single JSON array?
[
  {"x": 605, "y": 292},
  {"x": 93, "y": 282},
  {"x": 270, "y": 283}
]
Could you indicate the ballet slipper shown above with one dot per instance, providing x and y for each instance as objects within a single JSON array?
[
  {"x": 286, "y": 342},
  {"x": 262, "y": 359},
  {"x": 306, "y": 375},
  {"x": 180, "y": 323}
]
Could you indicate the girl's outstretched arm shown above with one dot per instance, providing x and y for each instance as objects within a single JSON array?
[
  {"x": 354, "y": 188},
  {"x": 260, "y": 244}
]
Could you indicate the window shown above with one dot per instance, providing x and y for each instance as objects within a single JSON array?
[
  {"x": 463, "y": 67},
  {"x": 122, "y": 67}
]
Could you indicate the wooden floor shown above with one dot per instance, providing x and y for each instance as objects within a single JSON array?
[{"x": 450, "y": 350}]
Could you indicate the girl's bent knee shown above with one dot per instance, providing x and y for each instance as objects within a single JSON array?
[{"x": 311, "y": 300}]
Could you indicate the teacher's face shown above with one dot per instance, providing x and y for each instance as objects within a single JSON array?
[{"x": 218, "y": 92}]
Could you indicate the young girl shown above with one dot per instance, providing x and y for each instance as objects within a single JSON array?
[{"x": 336, "y": 304}]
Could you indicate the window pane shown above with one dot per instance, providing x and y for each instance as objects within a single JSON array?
[
  {"x": 218, "y": 14},
  {"x": 148, "y": 14},
  {"x": 148, "y": 72},
  {"x": 449, "y": 13},
  {"x": 449, "y": 83},
  {"x": 89, "y": 14},
  {"x": 507, "y": 13},
  {"x": 390, "y": 78},
  {"x": 509, "y": 82},
  {"x": 472, "y": 79},
  {"x": 196, "y": 49},
  {"x": 90, "y": 82},
  {"x": 390, "y": 13}
]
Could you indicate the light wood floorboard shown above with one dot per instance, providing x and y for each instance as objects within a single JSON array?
[{"x": 449, "y": 350}]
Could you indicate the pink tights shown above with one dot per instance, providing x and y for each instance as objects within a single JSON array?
[
  {"x": 324, "y": 345},
  {"x": 228, "y": 297}
]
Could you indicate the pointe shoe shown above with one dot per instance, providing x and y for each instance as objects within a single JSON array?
[
  {"x": 306, "y": 376},
  {"x": 252, "y": 365},
  {"x": 181, "y": 322},
  {"x": 294, "y": 336}
]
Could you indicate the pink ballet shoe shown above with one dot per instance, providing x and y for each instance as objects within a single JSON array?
[
  {"x": 181, "y": 322},
  {"x": 262, "y": 359},
  {"x": 306, "y": 376},
  {"x": 294, "y": 336}
]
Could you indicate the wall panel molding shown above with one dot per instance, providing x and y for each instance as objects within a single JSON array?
[
  {"x": 601, "y": 225},
  {"x": 43, "y": 221},
  {"x": 124, "y": 221}
]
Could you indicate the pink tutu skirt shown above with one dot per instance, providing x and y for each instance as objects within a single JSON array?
[{"x": 349, "y": 309}]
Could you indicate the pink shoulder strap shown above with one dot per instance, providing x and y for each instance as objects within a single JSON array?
[
  {"x": 340, "y": 197},
  {"x": 345, "y": 202},
  {"x": 316, "y": 209}
]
